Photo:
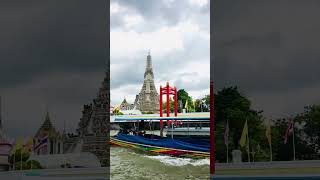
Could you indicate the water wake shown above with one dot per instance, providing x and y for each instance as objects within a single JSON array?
[{"x": 175, "y": 161}]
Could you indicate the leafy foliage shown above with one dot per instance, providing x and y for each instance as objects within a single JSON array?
[
  {"x": 20, "y": 159},
  {"x": 231, "y": 105}
]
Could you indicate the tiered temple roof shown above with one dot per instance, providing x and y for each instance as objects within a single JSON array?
[{"x": 47, "y": 127}]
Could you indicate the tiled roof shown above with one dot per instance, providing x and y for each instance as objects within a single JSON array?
[{"x": 47, "y": 126}]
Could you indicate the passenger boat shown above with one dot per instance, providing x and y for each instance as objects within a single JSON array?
[{"x": 182, "y": 145}]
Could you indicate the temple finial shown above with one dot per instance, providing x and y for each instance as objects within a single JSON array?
[{"x": 46, "y": 108}]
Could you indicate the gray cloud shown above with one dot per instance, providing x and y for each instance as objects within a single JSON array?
[
  {"x": 52, "y": 53},
  {"x": 44, "y": 37},
  {"x": 160, "y": 13},
  {"x": 157, "y": 15},
  {"x": 268, "y": 48}
]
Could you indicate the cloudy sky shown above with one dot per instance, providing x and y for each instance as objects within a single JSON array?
[
  {"x": 271, "y": 50},
  {"x": 177, "y": 32},
  {"x": 53, "y": 54}
]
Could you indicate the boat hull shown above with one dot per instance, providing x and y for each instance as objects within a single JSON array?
[{"x": 159, "y": 150}]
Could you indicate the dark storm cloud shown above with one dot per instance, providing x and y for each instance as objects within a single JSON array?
[
  {"x": 53, "y": 53},
  {"x": 46, "y": 36},
  {"x": 268, "y": 49}
]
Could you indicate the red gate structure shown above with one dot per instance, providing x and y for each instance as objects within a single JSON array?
[
  {"x": 212, "y": 140},
  {"x": 167, "y": 90}
]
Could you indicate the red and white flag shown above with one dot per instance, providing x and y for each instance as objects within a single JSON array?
[
  {"x": 43, "y": 142},
  {"x": 288, "y": 131}
]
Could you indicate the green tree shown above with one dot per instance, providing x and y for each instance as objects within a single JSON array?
[
  {"x": 117, "y": 112},
  {"x": 19, "y": 155},
  {"x": 164, "y": 106},
  {"x": 311, "y": 118},
  {"x": 232, "y": 106},
  {"x": 190, "y": 107},
  {"x": 206, "y": 100},
  {"x": 23, "y": 155},
  {"x": 198, "y": 105},
  {"x": 284, "y": 152},
  {"x": 183, "y": 96}
]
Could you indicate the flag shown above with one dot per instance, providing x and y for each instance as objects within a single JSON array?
[
  {"x": 244, "y": 135},
  {"x": 226, "y": 134},
  {"x": 43, "y": 142},
  {"x": 288, "y": 131},
  {"x": 268, "y": 132}
]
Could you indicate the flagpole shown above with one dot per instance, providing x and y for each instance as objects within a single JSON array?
[
  {"x": 294, "y": 146},
  {"x": 227, "y": 139},
  {"x": 31, "y": 153},
  {"x": 270, "y": 137},
  {"x": 228, "y": 153},
  {"x": 21, "y": 159},
  {"x": 14, "y": 160},
  {"x": 248, "y": 147},
  {"x": 248, "y": 143},
  {"x": 270, "y": 146}
]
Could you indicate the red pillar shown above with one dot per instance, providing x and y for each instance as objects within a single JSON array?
[
  {"x": 161, "y": 122},
  {"x": 160, "y": 103},
  {"x": 212, "y": 143},
  {"x": 175, "y": 102},
  {"x": 168, "y": 100}
]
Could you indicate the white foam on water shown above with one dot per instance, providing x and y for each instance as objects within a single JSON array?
[{"x": 175, "y": 161}]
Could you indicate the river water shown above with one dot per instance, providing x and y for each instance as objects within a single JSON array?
[{"x": 128, "y": 164}]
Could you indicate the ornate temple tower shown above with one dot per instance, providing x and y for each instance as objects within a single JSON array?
[
  {"x": 148, "y": 98},
  {"x": 93, "y": 128}
]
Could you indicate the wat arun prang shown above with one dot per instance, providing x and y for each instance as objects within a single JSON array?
[
  {"x": 94, "y": 125},
  {"x": 147, "y": 101}
]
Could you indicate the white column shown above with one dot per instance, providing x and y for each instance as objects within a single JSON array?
[{"x": 48, "y": 146}]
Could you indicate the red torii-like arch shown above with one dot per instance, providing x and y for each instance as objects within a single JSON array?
[{"x": 167, "y": 90}]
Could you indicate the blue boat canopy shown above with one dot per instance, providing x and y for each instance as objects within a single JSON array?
[{"x": 156, "y": 117}]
